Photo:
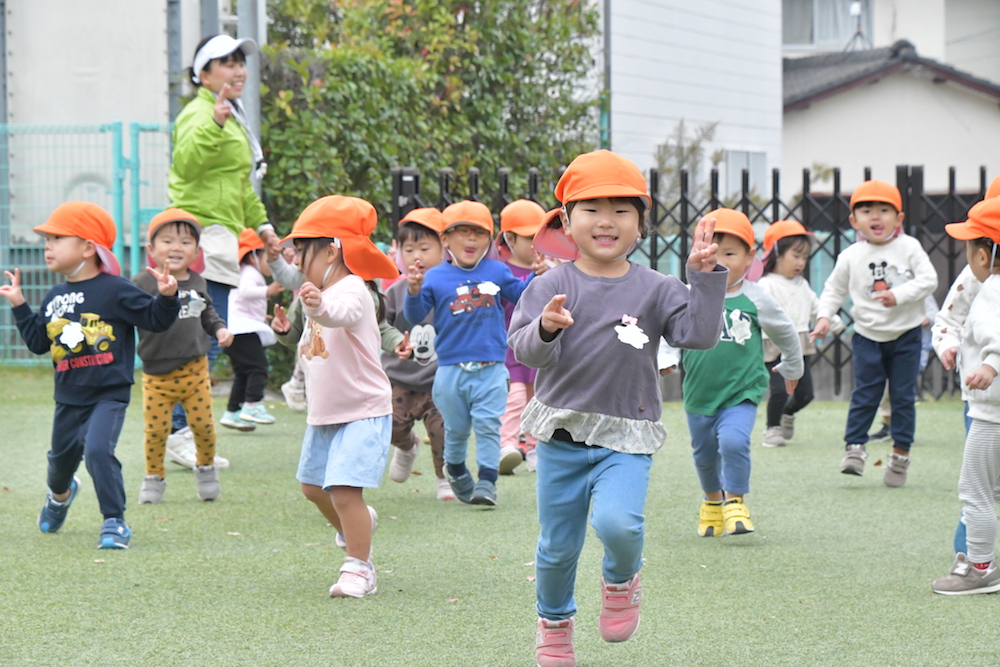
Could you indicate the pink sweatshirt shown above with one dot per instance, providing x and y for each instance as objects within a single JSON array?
[{"x": 340, "y": 349}]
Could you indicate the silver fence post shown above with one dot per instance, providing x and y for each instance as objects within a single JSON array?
[{"x": 246, "y": 27}]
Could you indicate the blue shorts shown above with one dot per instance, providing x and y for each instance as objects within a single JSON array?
[{"x": 351, "y": 454}]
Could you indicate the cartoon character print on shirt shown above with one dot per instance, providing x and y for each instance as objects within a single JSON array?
[
  {"x": 312, "y": 344},
  {"x": 472, "y": 295},
  {"x": 630, "y": 333},
  {"x": 86, "y": 342},
  {"x": 736, "y": 327},
  {"x": 885, "y": 277},
  {"x": 193, "y": 305},
  {"x": 422, "y": 338}
]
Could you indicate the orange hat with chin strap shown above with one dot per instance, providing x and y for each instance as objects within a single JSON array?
[
  {"x": 176, "y": 215},
  {"x": 349, "y": 220},
  {"x": 984, "y": 221},
  {"x": 89, "y": 222},
  {"x": 249, "y": 241},
  {"x": 601, "y": 174},
  {"x": 783, "y": 229},
  {"x": 880, "y": 191},
  {"x": 522, "y": 217},
  {"x": 468, "y": 212},
  {"x": 429, "y": 217},
  {"x": 729, "y": 221}
]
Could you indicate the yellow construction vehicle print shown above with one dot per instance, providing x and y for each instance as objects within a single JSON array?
[{"x": 68, "y": 335}]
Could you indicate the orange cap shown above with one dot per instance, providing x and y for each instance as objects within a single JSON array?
[
  {"x": 523, "y": 217},
  {"x": 249, "y": 241},
  {"x": 984, "y": 220},
  {"x": 728, "y": 221},
  {"x": 468, "y": 212},
  {"x": 351, "y": 221},
  {"x": 782, "y": 229},
  {"x": 876, "y": 190},
  {"x": 89, "y": 222},
  {"x": 429, "y": 217},
  {"x": 173, "y": 215},
  {"x": 601, "y": 174},
  {"x": 994, "y": 189}
]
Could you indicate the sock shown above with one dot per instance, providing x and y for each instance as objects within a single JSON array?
[
  {"x": 488, "y": 475},
  {"x": 712, "y": 502},
  {"x": 456, "y": 470},
  {"x": 729, "y": 501},
  {"x": 348, "y": 559},
  {"x": 58, "y": 503},
  {"x": 982, "y": 566}
]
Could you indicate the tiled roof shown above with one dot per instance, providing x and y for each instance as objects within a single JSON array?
[{"x": 812, "y": 78}]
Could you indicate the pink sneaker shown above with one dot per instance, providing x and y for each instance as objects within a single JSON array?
[
  {"x": 554, "y": 643},
  {"x": 357, "y": 579},
  {"x": 620, "y": 609}
]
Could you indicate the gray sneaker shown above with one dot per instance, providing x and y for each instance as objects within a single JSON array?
[
  {"x": 895, "y": 471},
  {"x": 484, "y": 493},
  {"x": 965, "y": 579},
  {"x": 207, "y": 481},
  {"x": 787, "y": 426},
  {"x": 853, "y": 462},
  {"x": 773, "y": 437},
  {"x": 153, "y": 488}
]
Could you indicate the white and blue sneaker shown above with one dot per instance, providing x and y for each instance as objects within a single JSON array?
[
  {"x": 234, "y": 421},
  {"x": 54, "y": 512},
  {"x": 256, "y": 413},
  {"x": 115, "y": 534}
]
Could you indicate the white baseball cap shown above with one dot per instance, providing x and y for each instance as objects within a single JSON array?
[{"x": 219, "y": 46}]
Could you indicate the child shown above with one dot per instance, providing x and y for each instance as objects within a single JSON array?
[
  {"x": 591, "y": 327},
  {"x": 251, "y": 334},
  {"x": 175, "y": 362},
  {"x": 470, "y": 385},
  {"x": 348, "y": 394},
  {"x": 519, "y": 221},
  {"x": 722, "y": 386},
  {"x": 977, "y": 572},
  {"x": 412, "y": 379},
  {"x": 87, "y": 324},
  {"x": 887, "y": 274},
  {"x": 786, "y": 252}
]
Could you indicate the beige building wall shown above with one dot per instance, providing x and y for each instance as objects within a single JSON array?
[
  {"x": 921, "y": 22},
  {"x": 972, "y": 37}
]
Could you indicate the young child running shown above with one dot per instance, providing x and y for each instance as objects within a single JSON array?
[
  {"x": 175, "y": 362},
  {"x": 470, "y": 385},
  {"x": 977, "y": 571},
  {"x": 87, "y": 324},
  {"x": 591, "y": 328},
  {"x": 519, "y": 221},
  {"x": 251, "y": 334},
  {"x": 347, "y": 393},
  {"x": 887, "y": 274},
  {"x": 786, "y": 252},
  {"x": 724, "y": 385},
  {"x": 412, "y": 379}
]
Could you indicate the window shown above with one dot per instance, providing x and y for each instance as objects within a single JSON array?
[
  {"x": 823, "y": 25},
  {"x": 754, "y": 162}
]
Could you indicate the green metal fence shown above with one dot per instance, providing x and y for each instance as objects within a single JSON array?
[{"x": 43, "y": 166}]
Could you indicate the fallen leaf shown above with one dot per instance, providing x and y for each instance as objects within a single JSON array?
[
  {"x": 312, "y": 544},
  {"x": 386, "y": 571},
  {"x": 415, "y": 491},
  {"x": 452, "y": 600},
  {"x": 703, "y": 566},
  {"x": 531, "y": 577},
  {"x": 99, "y": 560},
  {"x": 163, "y": 519},
  {"x": 529, "y": 564},
  {"x": 232, "y": 533},
  {"x": 494, "y": 558},
  {"x": 416, "y": 472},
  {"x": 393, "y": 517},
  {"x": 5, "y": 489},
  {"x": 878, "y": 463}
]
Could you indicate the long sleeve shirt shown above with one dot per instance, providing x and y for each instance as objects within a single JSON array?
[
  {"x": 981, "y": 345},
  {"x": 417, "y": 372},
  {"x": 248, "y": 306},
  {"x": 946, "y": 333}
]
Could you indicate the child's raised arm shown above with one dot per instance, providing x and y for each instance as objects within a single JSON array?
[
  {"x": 13, "y": 291},
  {"x": 704, "y": 251}
]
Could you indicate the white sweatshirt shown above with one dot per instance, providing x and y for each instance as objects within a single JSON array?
[
  {"x": 864, "y": 268},
  {"x": 981, "y": 345},
  {"x": 947, "y": 329}
]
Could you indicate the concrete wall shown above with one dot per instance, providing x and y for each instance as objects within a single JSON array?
[
  {"x": 972, "y": 37},
  {"x": 921, "y": 22}
]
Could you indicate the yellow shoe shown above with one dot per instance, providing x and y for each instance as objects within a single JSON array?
[
  {"x": 736, "y": 516},
  {"x": 710, "y": 519}
]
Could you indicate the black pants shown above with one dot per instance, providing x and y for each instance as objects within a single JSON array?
[
  {"x": 780, "y": 402},
  {"x": 246, "y": 354}
]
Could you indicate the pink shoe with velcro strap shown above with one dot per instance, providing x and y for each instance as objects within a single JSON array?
[
  {"x": 620, "y": 609},
  {"x": 554, "y": 643}
]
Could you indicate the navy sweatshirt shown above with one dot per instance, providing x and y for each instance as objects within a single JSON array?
[{"x": 89, "y": 328}]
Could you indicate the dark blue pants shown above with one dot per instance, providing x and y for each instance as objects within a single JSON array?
[
  {"x": 219, "y": 294},
  {"x": 89, "y": 433},
  {"x": 896, "y": 362}
]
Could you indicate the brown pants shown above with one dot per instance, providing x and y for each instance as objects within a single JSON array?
[
  {"x": 409, "y": 406},
  {"x": 190, "y": 386}
]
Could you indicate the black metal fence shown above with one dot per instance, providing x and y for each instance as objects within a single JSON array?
[{"x": 674, "y": 215}]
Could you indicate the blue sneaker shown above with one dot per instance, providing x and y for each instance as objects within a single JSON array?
[
  {"x": 54, "y": 513},
  {"x": 484, "y": 493},
  {"x": 462, "y": 487},
  {"x": 115, "y": 534},
  {"x": 256, "y": 414}
]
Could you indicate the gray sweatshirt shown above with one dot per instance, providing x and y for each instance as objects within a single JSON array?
[{"x": 417, "y": 372}]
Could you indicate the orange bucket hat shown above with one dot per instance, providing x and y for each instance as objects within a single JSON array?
[
  {"x": 880, "y": 191},
  {"x": 249, "y": 241},
  {"x": 601, "y": 174},
  {"x": 89, "y": 222},
  {"x": 468, "y": 212},
  {"x": 176, "y": 215},
  {"x": 552, "y": 241},
  {"x": 729, "y": 221},
  {"x": 351, "y": 221},
  {"x": 429, "y": 217},
  {"x": 984, "y": 221},
  {"x": 783, "y": 229},
  {"x": 523, "y": 217}
]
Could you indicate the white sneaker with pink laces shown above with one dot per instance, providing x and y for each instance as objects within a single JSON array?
[
  {"x": 554, "y": 643},
  {"x": 357, "y": 579},
  {"x": 620, "y": 609}
]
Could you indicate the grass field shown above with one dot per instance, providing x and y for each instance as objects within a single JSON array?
[{"x": 838, "y": 572}]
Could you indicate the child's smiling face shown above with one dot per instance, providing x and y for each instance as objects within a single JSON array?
[
  {"x": 466, "y": 243},
  {"x": 876, "y": 221},
  {"x": 605, "y": 230},
  {"x": 174, "y": 248}
]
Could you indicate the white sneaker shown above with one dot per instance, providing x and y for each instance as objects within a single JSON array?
[
  {"x": 295, "y": 395},
  {"x": 402, "y": 462},
  {"x": 207, "y": 482},
  {"x": 773, "y": 437},
  {"x": 444, "y": 491},
  {"x": 510, "y": 458},
  {"x": 153, "y": 488},
  {"x": 182, "y": 450},
  {"x": 357, "y": 579},
  {"x": 531, "y": 459}
]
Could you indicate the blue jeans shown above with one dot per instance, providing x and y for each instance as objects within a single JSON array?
[
  {"x": 471, "y": 402},
  {"x": 569, "y": 476},
  {"x": 721, "y": 445},
  {"x": 896, "y": 361},
  {"x": 89, "y": 433},
  {"x": 219, "y": 294}
]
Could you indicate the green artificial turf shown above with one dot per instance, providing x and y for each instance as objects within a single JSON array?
[{"x": 838, "y": 572}]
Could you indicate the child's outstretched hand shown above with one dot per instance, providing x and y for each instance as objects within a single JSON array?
[
  {"x": 415, "y": 277},
  {"x": 165, "y": 282},
  {"x": 886, "y": 298},
  {"x": 555, "y": 317},
  {"x": 538, "y": 264},
  {"x": 981, "y": 378},
  {"x": 224, "y": 336},
  {"x": 703, "y": 251},
  {"x": 310, "y": 295},
  {"x": 821, "y": 329},
  {"x": 948, "y": 358},
  {"x": 405, "y": 348},
  {"x": 274, "y": 289},
  {"x": 13, "y": 292},
  {"x": 280, "y": 323}
]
